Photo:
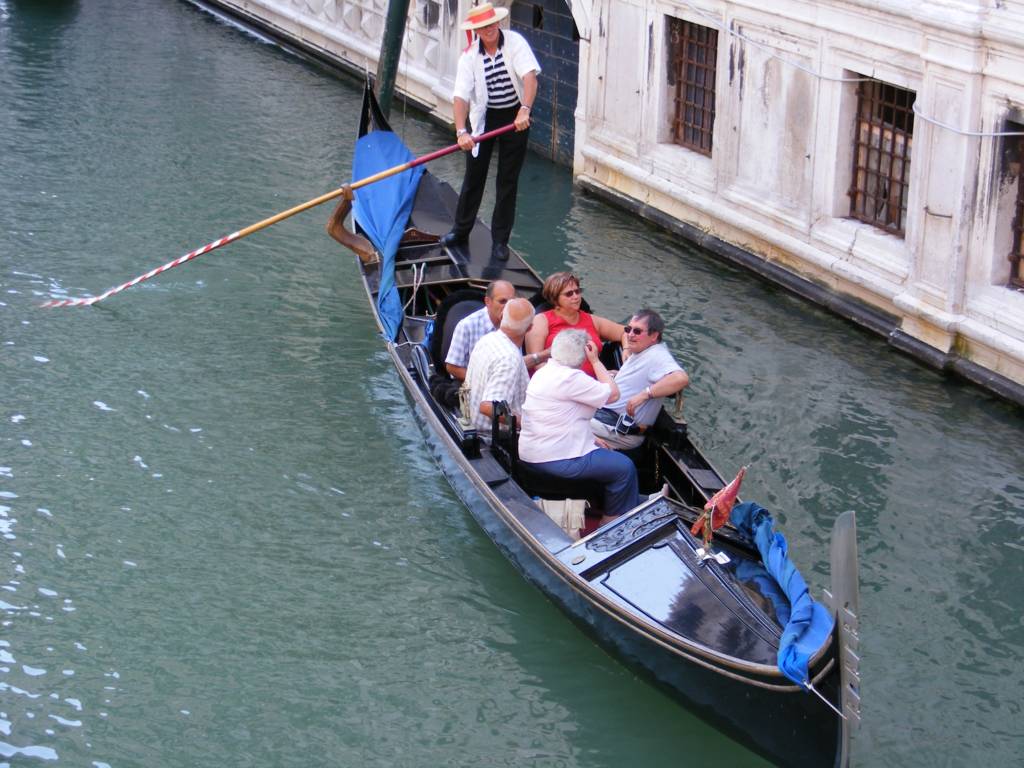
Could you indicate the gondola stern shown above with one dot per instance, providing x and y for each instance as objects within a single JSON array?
[
  {"x": 371, "y": 117},
  {"x": 843, "y": 600}
]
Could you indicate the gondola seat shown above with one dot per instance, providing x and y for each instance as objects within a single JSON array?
[
  {"x": 547, "y": 486},
  {"x": 455, "y": 307},
  {"x": 505, "y": 446}
]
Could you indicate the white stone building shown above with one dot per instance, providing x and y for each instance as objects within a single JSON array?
[{"x": 803, "y": 133}]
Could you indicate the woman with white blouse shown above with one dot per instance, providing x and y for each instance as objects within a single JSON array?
[{"x": 556, "y": 438}]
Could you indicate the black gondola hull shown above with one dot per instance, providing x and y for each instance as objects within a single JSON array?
[
  {"x": 788, "y": 727},
  {"x": 728, "y": 679}
]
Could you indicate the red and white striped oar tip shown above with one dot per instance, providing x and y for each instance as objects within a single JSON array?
[{"x": 89, "y": 301}]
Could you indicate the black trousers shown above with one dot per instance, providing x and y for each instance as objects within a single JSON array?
[{"x": 511, "y": 153}]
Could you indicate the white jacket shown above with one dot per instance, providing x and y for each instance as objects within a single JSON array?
[{"x": 471, "y": 84}]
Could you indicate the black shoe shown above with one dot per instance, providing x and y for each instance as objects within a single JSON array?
[
  {"x": 499, "y": 252},
  {"x": 452, "y": 240}
]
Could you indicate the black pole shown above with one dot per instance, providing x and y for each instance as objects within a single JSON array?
[{"x": 390, "y": 52}]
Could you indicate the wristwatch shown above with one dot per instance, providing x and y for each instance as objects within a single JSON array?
[{"x": 459, "y": 132}]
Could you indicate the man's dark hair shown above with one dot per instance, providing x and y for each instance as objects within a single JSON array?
[{"x": 654, "y": 322}]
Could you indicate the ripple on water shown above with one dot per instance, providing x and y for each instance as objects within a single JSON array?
[{"x": 40, "y": 753}]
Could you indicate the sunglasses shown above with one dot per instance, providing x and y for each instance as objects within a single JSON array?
[
  {"x": 635, "y": 329},
  {"x": 572, "y": 292}
]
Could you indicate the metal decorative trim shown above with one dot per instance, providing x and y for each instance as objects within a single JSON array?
[{"x": 635, "y": 527}]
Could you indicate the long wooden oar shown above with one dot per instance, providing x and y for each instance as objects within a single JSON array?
[{"x": 87, "y": 302}]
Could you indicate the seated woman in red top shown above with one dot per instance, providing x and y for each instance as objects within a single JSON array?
[{"x": 562, "y": 291}]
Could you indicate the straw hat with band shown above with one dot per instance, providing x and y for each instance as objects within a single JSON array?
[{"x": 483, "y": 16}]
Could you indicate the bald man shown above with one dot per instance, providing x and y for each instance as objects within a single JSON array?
[
  {"x": 473, "y": 327},
  {"x": 496, "y": 369}
]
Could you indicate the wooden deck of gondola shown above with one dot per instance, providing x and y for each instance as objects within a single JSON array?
[{"x": 435, "y": 264}]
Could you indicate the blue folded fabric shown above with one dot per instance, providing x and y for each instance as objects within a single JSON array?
[
  {"x": 382, "y": 209},
  {"x": 810, "y": 623}
]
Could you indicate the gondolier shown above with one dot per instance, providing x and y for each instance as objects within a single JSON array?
[{"x": 495, "y": 84}]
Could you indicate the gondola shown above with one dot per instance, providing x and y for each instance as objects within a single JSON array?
[{"x": 708, "y": 630}]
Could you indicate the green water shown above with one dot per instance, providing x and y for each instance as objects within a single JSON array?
[{"x": 223, "y": 544}]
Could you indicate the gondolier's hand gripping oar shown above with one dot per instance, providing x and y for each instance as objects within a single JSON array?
[{"x": 89, "y": 301}]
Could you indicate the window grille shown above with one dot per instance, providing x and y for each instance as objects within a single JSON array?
[
  {"x": 431, "y": 14},
  {"x": 1017, "y": 254},
  {"x": 693, "y": 52},
  {"x": 881, "y": 157}
]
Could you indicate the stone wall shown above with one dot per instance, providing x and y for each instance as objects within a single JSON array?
[
  {"x": 549, "y": 26},
  {"x": 774, "y": 194},
  {"x": 348, "y": 33}
]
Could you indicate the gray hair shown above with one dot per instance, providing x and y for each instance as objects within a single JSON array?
[
  {"x": 569, "y": 348},
  {"x": 494, "y": 287}
]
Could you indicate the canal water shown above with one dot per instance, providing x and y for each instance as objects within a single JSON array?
[{"x": 223, "y": 543}]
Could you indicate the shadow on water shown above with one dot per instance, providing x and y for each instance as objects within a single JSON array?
[
  {"x": 41, "y": 18},
  {"x": 37, "y": 32}
]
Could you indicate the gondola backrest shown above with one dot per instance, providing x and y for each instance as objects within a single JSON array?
[
  {"x": 505, "y": 441},
  {"x": 420, "y": 363},
  {"x": 455, "y": 307}
]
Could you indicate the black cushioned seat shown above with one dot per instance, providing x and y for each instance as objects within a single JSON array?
[
  {"x": 506, "y": 448},
  {"x": 548, "y": 487},
  {"x": 455, "y": 307}
]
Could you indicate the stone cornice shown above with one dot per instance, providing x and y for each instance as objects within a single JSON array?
[{"x": 999, "y": 21}]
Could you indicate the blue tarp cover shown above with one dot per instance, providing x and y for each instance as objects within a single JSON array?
[
  {"x": 810, "y": 623},
  {"x": 382, "y": 210}
]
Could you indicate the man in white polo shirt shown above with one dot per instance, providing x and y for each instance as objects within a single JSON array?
[{"x": 648, "y": 373}]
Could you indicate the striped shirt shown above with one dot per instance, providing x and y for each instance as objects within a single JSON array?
[
  {"x": 500, "y": 93},
  {"x": 496, "y": 372}
]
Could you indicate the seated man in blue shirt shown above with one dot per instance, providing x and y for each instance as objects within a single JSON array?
[
  {"x": 474, "y": 327},
  {"x": 648, "y": 373}
]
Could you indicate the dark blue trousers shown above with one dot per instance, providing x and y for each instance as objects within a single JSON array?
[{"x": 611, "y": 469}]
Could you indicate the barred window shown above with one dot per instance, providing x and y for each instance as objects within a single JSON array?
[
  {"x": 431, "y": 13},
  {"x": 884, "y": 134},
  {"x": 693, "y": 53},
  {"x": 1017, "y": 254}
]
